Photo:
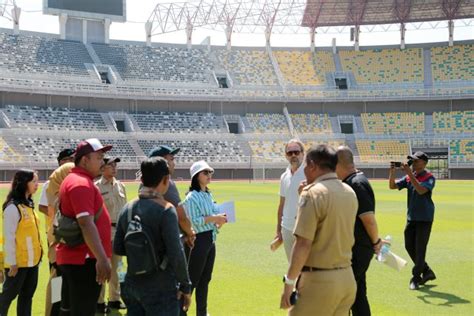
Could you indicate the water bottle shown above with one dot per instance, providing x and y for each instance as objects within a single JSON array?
[
  {"x": 385, "y": 249},
  {"x": 121, "y": 272}
]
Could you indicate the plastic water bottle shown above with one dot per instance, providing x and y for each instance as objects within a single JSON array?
[
  {"x": 121, "y": 272},
  {"x": 385, "y": 249}
]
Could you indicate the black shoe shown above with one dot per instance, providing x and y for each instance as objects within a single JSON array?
[
  {"x": 101, "y": 308},
  {"x": 414, "y": 284},
  {"x": 428, "y": 276},
  {"x": 116, "y": 305}
]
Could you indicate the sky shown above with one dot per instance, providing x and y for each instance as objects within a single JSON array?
[{"x": 138, "y": 12}]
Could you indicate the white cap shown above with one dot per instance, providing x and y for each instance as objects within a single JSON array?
[{"x": 199, "y": 166}]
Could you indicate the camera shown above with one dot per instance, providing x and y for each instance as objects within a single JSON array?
[
  {"x": 410, "y": 162},
  {"x": 396, "y": 164}
]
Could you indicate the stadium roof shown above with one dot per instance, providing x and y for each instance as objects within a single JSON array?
[{"x": 360, "y": 12}]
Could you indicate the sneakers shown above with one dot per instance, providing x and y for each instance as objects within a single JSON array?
[
  {"x": 116, "y": 305},
  {"x": 428, "y": 276},
  {"x": 101, "y": 308},
  {"x": 414, "y": 283}
]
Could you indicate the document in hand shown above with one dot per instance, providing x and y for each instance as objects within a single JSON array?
[
  {"x": 394, "y": 261},
  {"x": 228, "y": 208}
]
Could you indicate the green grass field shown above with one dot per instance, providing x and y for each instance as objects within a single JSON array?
[{"x": 247, "y": 275}]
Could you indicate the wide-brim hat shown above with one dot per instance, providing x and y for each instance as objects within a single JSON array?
[{"x": 198, "y": 167}]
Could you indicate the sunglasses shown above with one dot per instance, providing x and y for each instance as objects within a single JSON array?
[
  {"x": 293, "y": 152},
  {"x": 207, "y": 172}
]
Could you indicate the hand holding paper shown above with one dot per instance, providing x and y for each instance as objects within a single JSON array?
[{"x": 227, "y": 208}]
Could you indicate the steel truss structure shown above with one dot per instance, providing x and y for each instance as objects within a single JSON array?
[
  {"x": 277, "y": 16},
  {"x": 10, "y": 11}
]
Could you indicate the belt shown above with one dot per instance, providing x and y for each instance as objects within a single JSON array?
[
  {"x": 114, "y": 224},
  {"x": 312, "y": 269}
]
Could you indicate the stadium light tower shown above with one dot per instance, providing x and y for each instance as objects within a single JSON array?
[{"x": 10, "y": 11}]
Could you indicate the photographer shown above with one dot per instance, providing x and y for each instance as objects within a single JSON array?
[{"x": 419, "y": 183}]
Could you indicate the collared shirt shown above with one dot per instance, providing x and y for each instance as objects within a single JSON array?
[
  {"x": 289, "y": 184},
  {"x": 420, "y": 207},
  {"x": 326, "y": 216},
  {"x": 366, "y": 198},
  {"x": 198, "y": 206},
  {"x": 114, "y": 195},
  {"x": 79, "y": 197}
]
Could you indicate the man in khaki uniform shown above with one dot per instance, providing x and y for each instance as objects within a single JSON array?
[
  {"x": 114, "y": 195},
  {"x": 324, "y": 231}
]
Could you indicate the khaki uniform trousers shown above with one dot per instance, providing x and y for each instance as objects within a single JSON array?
[{"x": 325, "y": 292}]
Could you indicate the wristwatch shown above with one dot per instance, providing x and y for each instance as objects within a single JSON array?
[{"x": 288, "y": 281}]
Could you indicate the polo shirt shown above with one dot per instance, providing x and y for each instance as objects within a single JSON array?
[
  {"x": 79, "y": 197},
  {"x": 420, "y": 207},
  {"x": 326, "y": 216},
  {"x": 366, "y": 198},
  {"x": 289, "y": 184}
]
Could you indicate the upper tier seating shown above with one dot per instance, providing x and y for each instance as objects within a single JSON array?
[
  {"x": 267, "y": 123},
  {"x": 161, "y": 63},
  {"x": 35, "y": 55},
  {"x": 453, "y": 63},
  {"x": 383, "y": 151},
  {"x": 312, "y": 123},
  {"x": 60, "y": 119},
  {"x": 455, "y": 121},
  {"x": 248, "y": 67},
  {"x": 384, "y": 65},
  {"x": 393, "y": 123},
  {"x": 304, "y": 67},
  {"x": 7, "y": 154},
  {"x": 176, "y": 122}
]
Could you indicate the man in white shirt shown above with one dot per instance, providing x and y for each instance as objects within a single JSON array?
[{"x": 289, "y": 183}]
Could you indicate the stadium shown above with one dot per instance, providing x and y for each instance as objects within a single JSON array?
[{"x": 235, "y": 106}]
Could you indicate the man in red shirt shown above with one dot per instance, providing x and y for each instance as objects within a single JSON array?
[{"x": 86, "y": 266}]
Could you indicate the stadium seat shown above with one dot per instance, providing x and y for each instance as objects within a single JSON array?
[
  {"x": 452, "y": 63},
  {"x": 382, "y": 151},
  {"x": 393, "y": 123}
]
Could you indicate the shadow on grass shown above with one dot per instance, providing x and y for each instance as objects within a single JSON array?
[{"x": 449, "y": 299}]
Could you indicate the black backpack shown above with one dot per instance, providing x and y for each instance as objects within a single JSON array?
[{"x": 139, "y": 247}]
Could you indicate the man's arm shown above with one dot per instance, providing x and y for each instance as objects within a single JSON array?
[
  {"x": 119, "y": 247},
  {"x": 391, "y": 180},
  {"x": 370, "y": 225},
  {"x": 418, "y": 187},
  {"x": 299, "y": 255},
  {"x": 184, "y": 222},
  {"x": 280, "y": 214},
  {"x": 92, "y": 239},
  {"x": 43, "y": 209}
]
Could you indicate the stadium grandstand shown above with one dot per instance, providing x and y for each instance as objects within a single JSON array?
[{"x": 237, "y": 106}]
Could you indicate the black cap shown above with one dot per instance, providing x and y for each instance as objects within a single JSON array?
[
  {"x": 65, "y": 153},
  {"x": 109, "y": 159},
  {"x": 162, "y": 151},
  {"x": 419, "y": 155}
]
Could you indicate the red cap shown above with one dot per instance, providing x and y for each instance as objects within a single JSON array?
[{"x": 90, "y": 145}]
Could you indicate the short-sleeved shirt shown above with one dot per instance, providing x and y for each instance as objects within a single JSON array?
[
  {"x": 44, "y": 197},
  {"x": 79, "y": 197},
  {"x": 366, "y": 198},
  {"x": 289, "y": 184},
  {"x": 326, "y": 216},
  {"x": 420, "y": 207},
  {"x": 172, "y": 195},
  {"x": 114, "y": 195}
]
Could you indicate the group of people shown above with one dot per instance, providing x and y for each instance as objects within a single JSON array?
[
  {"x": 85, "y": 190},
  {"x": 326, "y": 222}
]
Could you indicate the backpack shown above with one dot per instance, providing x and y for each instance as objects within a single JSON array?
[{"x": 139, "y": 247}]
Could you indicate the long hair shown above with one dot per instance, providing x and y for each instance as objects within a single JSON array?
[
  {"x": 19, "y": 187},
  {"x": 195, "y": 186}
]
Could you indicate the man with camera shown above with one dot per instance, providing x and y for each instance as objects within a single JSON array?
[{"x": 419, "y": 183}]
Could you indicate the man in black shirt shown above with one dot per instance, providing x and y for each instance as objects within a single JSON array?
[{"x": 366, "y": 234}]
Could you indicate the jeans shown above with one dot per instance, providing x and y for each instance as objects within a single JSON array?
[
  {"x": 417, "y": 235},
  {"x": 23, "y": 285},
  {"x": 361, "y": 257},
  {"x": 149, "y": 301},
  {"x": 82, "y": 288}
]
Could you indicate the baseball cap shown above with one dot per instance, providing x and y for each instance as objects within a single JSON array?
[
  {"x": 110, "y": 159},
  {"x": 66, "y": 153},
  {"x": 162, "y": 151},
  {"x": 198, "y": 167},
  {"x": 90, "y": 145},
  {"x": 418, "y": 155}
]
